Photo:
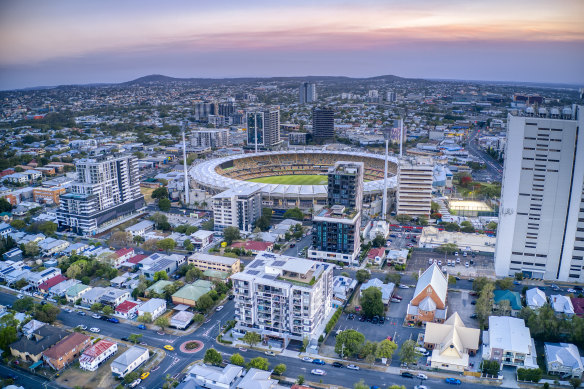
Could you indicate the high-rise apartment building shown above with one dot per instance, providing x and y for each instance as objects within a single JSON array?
[
  {"x": 414, "y": 188},
  {"x": 237, "y": 207},
  {"x": 307, "y": 93},
  {"x": 263, "y": 128},
  {"x": 323, "y": 124},
  {"x": 210, "y": 138},
  {"x": 390, "y": 96},
  {"x": 203, "y": 110},
  {"x": 336, "y": 228},
  {"x": 106, "y": 193},
  {"x": 286, "y": 298},
  {"x": 541, "y": 217}
]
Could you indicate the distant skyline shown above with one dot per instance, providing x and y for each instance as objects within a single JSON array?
[{"x": 47, "y": 43}]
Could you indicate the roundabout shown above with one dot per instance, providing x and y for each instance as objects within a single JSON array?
[{"x": 191, "y": 346}]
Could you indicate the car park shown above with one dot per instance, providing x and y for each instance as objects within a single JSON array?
[
  {"x": 317, "y": 372},
  {"x": 353, "y": 367},
  {"x": 318, "y": 362},
  {"x": 453, "y": 381}
]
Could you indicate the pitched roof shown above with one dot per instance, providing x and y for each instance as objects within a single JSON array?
[
  {"x": 562, "y": 304},
  {"x": 224, "y": 375},
  {"x": 128, "y": 357},
  {"x": 48, "y": 284},
  {"x": 122, "y": 252},
  {"x": 253, "y": 245},
  {"x": 193, "y": 291},
  {"x": 566, "y": 354},
  {"x": 96, "y": 350},
  {"x": 509, "y": 333},
  {"x": 137, "y": 258},
  {"x": 126, "y": 306},
  {"x": 578, "y": 304},
  {"x": 513, "y": 298},
  {"x": 452, "y": 332},
  {"x": 535, "y": 297},
  {"x": 48, "y": 335},
  {"x": 434, "y": 277},
  {"x": 65, "y": 345}
]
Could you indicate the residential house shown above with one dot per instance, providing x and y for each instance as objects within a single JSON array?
[
  {"x": 562, "y": 304},
  {"x": 52, "y": 246},
  {"x": 254, "y": 246},
  {"x": 157, "y": 287},
  {"x": 201, "y": 239},
  {"x": 513, "y": 298},
  {"x": 154, "y": 307},
  {"x": 35, "y": 279},
  {"x": 429, "y": 301},
  {"x": 48, "y": 284},
  {"x": 92, "y": 296},
  {"x": 97, "y": 354},
  {"x": 13, "y": 255},
  {"x": 122, "y": 255},
  {"x": 376, "y": 255},
  {"x": 216, "y": 276},
  {"x": 66, "y": 350},
  {"x": 29, "y": 328},
  {"x": 140, "y": 228},
  {"x": 5, "y": 229},
  {"x": 215, "y": 262},
  {"x": 256, "y": 378},
  {"x": 129, "y": 361},
  {"x": 578, "y": 304},
  {"x": 181, "y": 319},
  {"x": 535, "y": 298},
  {"x": 397, "y": 256},
  {"x": 509, "y": 342},
  {"x": 41, "y": 339},
  {"x": 563, "y": 359},
  {"x": 113, "y": 296},
  {"x": 161, "y": 263},
  {"x": 190, "y": 293},
  {"x": 451, "y": 343},
  {"x": 75, "y": 292},
  {"x": 61, "y": 288},
  {"x": 386, "y": 289},
  {"x": 343, "y": 288},
  {"x": 127, "y": 309},
  {"x": 216, "y": 377}
]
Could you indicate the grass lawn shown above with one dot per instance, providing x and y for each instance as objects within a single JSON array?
[{"x": 298, "y": 179}]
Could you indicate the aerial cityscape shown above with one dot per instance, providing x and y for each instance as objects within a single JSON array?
[{"x": 307, "y": 195}]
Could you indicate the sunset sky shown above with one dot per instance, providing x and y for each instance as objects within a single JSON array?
[{"x": 66, "y": 42}]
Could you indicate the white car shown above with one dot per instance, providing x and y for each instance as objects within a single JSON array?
[
  {"x": 83, "y": 327},
  {"x": 422, "y": 376},
  {"x": 242, "y": 349},
  {"x": 466, "y": 264},
  {"x": 440, "y": 263},
  {"x": 19, "y": 296},
  {"x": 402, "y": 286},
  {"x": 353, "y": 367},
  {"x": 307, "y": 359},
  {"x": 220, "y": 307},
  {"x": 135, "y": 383},
  {"x": 94, "y": 329},
  {"x": 456, "y": 253},
  {"x": 420, "y": 387},
  {"x": 318, "y": 372},
  {"x": 571, "y": 290},
  {"x": 96, "y": 316},
  {"x": 270, "y": 353}
]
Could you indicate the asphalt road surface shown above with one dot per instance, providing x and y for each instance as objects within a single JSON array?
[{"x": 494, "y": 168}]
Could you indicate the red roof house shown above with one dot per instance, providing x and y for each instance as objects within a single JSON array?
[
  {"x": 127, "y": 308},
  {"x": 97, "y": 354},
  {"x": 578, "y": 304},
  {"x": 48, "y": 284},
  {"x": 376, "y": 252},
  {"x": 137, "y": 258},
  {"x": 254, "y": 246}
]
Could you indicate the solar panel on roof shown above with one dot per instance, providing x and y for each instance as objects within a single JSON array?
[
  {"x": 279, "y": 263},
  {"x": 269, "y": 276},
  {"x": 253, "y": 272},
  {"x": 256, "y": 263}
]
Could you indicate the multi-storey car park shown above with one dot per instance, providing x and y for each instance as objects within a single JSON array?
[{"x": 220, "y": 174}]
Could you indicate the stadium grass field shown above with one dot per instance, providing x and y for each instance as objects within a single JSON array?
[{"x": 298, "y": 179}]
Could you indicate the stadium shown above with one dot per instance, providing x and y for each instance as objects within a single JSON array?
[{"x": 295, "y": 178}]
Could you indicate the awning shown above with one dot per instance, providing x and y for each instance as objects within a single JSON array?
[{"x": 36, "y": 364}]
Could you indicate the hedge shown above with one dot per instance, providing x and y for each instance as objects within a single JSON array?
[
  {"x": 533, "y": 375},
  {"x": 333, "y": 321}
]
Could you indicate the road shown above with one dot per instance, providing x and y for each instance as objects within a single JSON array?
[{"x": 494, "y": 168}]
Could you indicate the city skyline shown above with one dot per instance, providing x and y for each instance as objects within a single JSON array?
[{"x": 76, "y": 43}]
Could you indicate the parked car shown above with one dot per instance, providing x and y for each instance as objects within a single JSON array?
[
  {"x": 353, "y": 367},
  {"x": 453, "y": 381},
  {"x": 407, "y": 374},
  {"x": 350, "y": 317},
  {"x": 307, "y": 359},
  {"x": 231, "y": 297},
  {"x": 83, "y": 327},
  {"x": 337, "y": 364},
  {"x": 375, "y": 320},
  {"x": 94, "y": 329},
  {"x": 571, "y": 290},
  {"x": 422, "y": 376},
  {"x": 113, "y": 320},
  {"x": 220, "y": 307},
  {"x": 270, "y": 353},
  {"x": 473, "y": 302},
  {"x": 466, "y": 264},
  {"x": 420, "y": 387},
  {"x": 96, "y": 316},
  {"x": 394, "y": 300},
  {"x": 317, "y": 372},
  {"x": 381, "y": 320},
  {"x": 422, "y": 351},
  {"x": 242, "y": 349},
  {"x": 141, "y": 327},
  {"x": 395, "y": 296},
  {"x": 135, "y": 383},
  {"x": 402, "y": 286},
  {"x": 318, "y": 362}
]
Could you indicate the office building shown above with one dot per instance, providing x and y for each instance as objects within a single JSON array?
[
  {"x": 284, "y": 297},
  {"x": 414, "y": 189},
  {"x": 323, "y": 124},
  {"x": 307, "y": 93},
  {"x": 204, "y": 262},
  {"x": 203, "y": 110},
  {"x": 263, "y": 128},
  {"x": 105, "y": 194},
  {"x": 214, "y": 138},
  {"x": 541, "y": 217},
  {"x": 336, "y": 234},
  {"x": 237, "y": 207}
]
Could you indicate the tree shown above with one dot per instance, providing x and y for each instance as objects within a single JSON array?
[
  {"x": 259, "y": 363},
  {"x": 505, "y": 283},
  {"x": 484, "y": 305},
  {"x": 379, "y": 241},
  {"x": 370, "y": 352},
  {"x": 386, "y": 348},
  {"x": 230, "y": 234},
  {"x": 187, "y": 244},
  {"x": 74, "y": 271},
  {"x": 160, "y": 193},
  {"x": 371, "y": 302},
  {"x": 294, "y": 213},
  {"x": 48, "y": 228},
  {"x": 447, "y": 248},
  {"x": 451, "y": 227},
  {"x": 360, "y": 385},
  {"x": 300, "y": 380},
  {"x": 408, "y": 353},
  {"x": 107, "y": 310},
  {"x": 31, "y": 249},
  {"x": 164, "y": 205},
  {"x": 393, "y": 277},
  {"x": 138, "y": 239},
  {"x": 121, "y": 238},
  {"x": 135, "y": 338},
  {"x": 150, "y": 245},
  {"x": 280, "y": 369},
  {"x": 96, "y": 307},
  {"x": 205, "y": 302},
  {"x": 492, "y": 226},
  {"x": 575, "y": 382},
  {"x": 5, "y": 205},
  {"x": 213, "y": 357},
  {"x": 23, "y": 305},
  {"x": 434, "y": 207},
  {"x": 209, "y": 225},
  {"x": 193, "y": 274},
  {"x": 403, "y": 218},
  {"x": 503, "y": 308},
  {"x": 198, "y": 318},
  {"x": 166, "y": 244},
  {"x": 451, "y": 280},
  {"x": 17, "y": 223},
  {"x": 362, "y": 276},
  {"x": 7, "y": 336},
  {"x": 422, "y": 220},
  {"x": 160, "y": 275},
  {"x": 145, "y": 318},
  {"x": 47, "y": 313},
  {"x": 162, "y": 322},
  {"x": 131, "y": 377},
  {"x": 251, "y": 338},
  {"x": 158, "y": 218},
  {"x": 349, "y": 342},
  {"x": 237, "y": 359},
  {"x": 490, "y": 367},
  {"x": 479, "y": 283}
]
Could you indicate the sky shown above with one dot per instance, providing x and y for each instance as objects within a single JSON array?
[{"x": 45, "y": 43}]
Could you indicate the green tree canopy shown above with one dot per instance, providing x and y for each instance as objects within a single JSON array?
[
  {"x": 349, "y": 342},
  {"x": 371, "y": 302},
  {"x": 408, "y": 353},
  {"x": 362, "y": 276},
  {"x": 252, "y": 338},
  {"x": 386, "y": 348},
  {"x": 164, "y": 205},
  {"x": 231, "y": 234},
  {"x": 237, "y": 359},
  {"x": 294, "y": 213},
  {"x": 212, "y": 357},
  {"x": 259, "y": 363},
  {"x": 160, "y": 193},
  {"x": 280, "y": 369},
  {"x": 166, "y": 244}
]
